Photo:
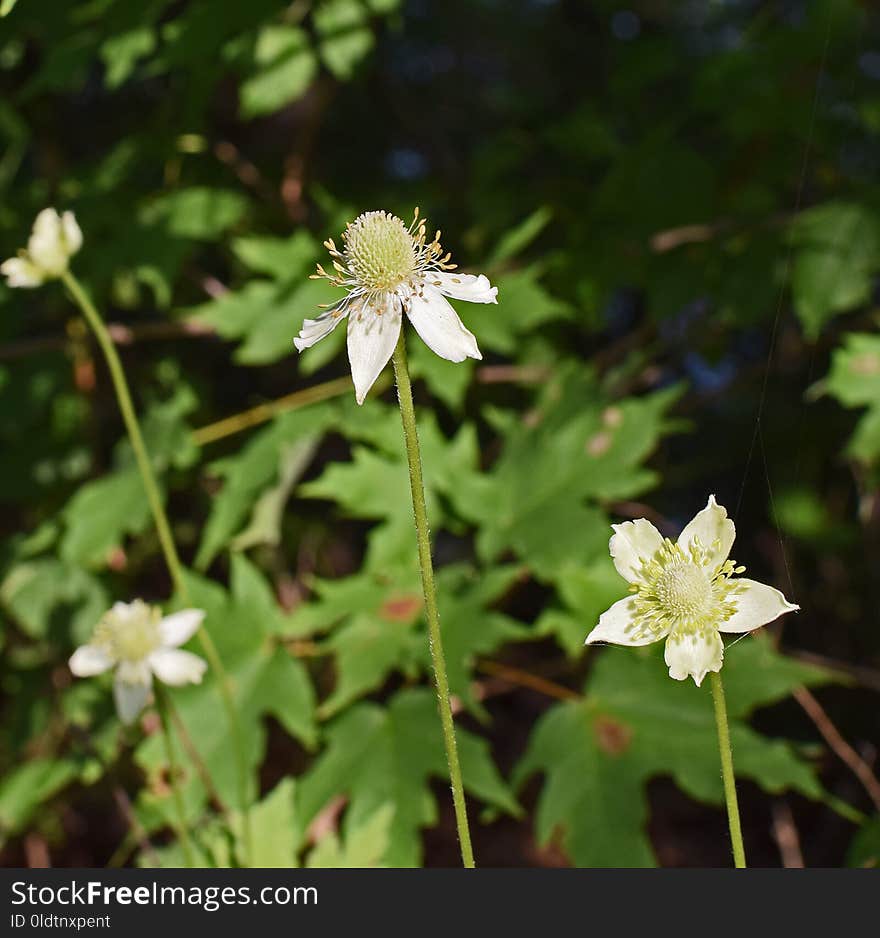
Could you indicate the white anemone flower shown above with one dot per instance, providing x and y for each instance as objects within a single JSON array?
[
  {"x": 685, "y": 592},
  {"x": 54, "y": 240},
  {"x": 138, "y": 642},
  {"x": 387, "y": 269}
]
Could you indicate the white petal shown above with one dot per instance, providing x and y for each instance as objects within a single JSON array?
[
  {"x": 130, "y": 699},
  {"x": 693, "y": 655},
  {"x": 439, "y": 326},
  {"x": 135, "y": 672},
  {"x": 756, "y": 605},
  {"x": 372, "y": 335},
  {"x": 474, "y": 289},
  {"x": 20, "y": 272},
  {"x": 713, "y": 529},
  {"x": 89, "y": 660},
  {"x": 73, "y": 238},
  {"x": 313, "y": 330},
  {"x": 632, "y": 543},
  {"x": 46, "y": 244},
  {"x": 619, "y": 626},
  {"x": 176, "y": 667},
  {"x": 179, "y": 627}
]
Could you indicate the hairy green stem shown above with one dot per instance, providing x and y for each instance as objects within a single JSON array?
[
  {"x": 163, "y": 528},
  {"x": 417, "y": 486},
  {"x": 180, "y": 827},
  {"x": 736, "y": 838}
]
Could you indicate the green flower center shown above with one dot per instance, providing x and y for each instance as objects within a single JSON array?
[
  {"x": 684, "y": 590},
  {"x": 379, "y": 250},
  {"x": 130, "y": 633}
]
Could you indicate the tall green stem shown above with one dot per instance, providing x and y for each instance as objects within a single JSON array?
[
  {"x": 417, "y": 486},
  {"x": 163, "y": 528},
  {"x": 736, "y": 838},
  {"x": 180, "y": 828}
]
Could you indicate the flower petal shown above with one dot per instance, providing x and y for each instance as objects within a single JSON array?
[
  {"x": 714, "y": 531},
  {"x": 179, "y": 627},
  {"x": 176, "y": 667},
  {"x": 20, "y": 272},
  {"x": 756, "y": 605},
  {"x": 313, "y": 330},
  {"x": 439, "y": 326},
  {"x": 73, "y": 237},
  {"x": 372, "y": 335},
  {"x": 632, "y": 543},
  {"x": 46, "y": 246},
  {"x": 89, "y": 660},
  {"x": 474, "y": 289},
  {"x": 693, "y": 654},
  {"x": 130, "y": 699},
  {"x": 620, "y": 626}
]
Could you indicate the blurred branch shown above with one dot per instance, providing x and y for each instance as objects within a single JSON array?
[
  {"x": 263, "y": 412},
  {"x": 119, "y": 333},
  {"x": 838, "y": 744},
  {"x": 521, "y": 678},
  {"x": 785, "y": 834}
]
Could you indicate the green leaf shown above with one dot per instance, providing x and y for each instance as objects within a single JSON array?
[
  {"x": 26, "y": 787},
  {"x": 636, "y": 723},
  {"x": 540, "y": 497},
  {"x": 345, "y": 35},
  {"x": 199, "y": 213},
  {"x": 285, "y": 67},
  {"x": 52, "y": 599},
  {"x": 274, "y": 829},
  {"x": 520, "y": 237},
  {"x": 279, "y": 258},
  {"x": 379, "y": 754},
  {"x": 838, "y": 252},
  {"x": 121, "y": 53},
  {"x": 523, "y": 305},
  {"x": 6, "y": 6},
  {"x": 253, "y": 470},
  {"x": 363, "y": 847},
  {"x": 864, "y": 851}
]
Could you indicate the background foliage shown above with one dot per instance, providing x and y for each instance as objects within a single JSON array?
[{"x": 678, "y": 202}]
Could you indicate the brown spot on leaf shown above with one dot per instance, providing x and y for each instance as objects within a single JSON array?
[
  {"x": 599, "y": 444},
  {"x": 612, "y": 736},
  {"x": 403, "y": 608}
]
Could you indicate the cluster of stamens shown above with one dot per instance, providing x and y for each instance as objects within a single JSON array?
[
  {"x": 681, "y": 591},
  {"x": 130, "y": 636},
  {"x": 379, "y": 255}
]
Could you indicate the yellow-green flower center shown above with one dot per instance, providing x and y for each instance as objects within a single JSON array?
[
  {"x": 379, "y": 250},
  {"x": 683, "y": 591},
  {"x": 130, "y": 633}
]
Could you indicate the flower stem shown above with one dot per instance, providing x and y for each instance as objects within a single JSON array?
[
  {"x": 736, "y": 838},
  {"x": 417, "y": 486},
  {"x": 163, "y": 528},
  {"x": 180, "y": 828}
]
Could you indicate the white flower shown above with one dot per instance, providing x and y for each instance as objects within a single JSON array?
[
  {"x": 685, "y": 592},
  {"x": 136, "y": 640},
  {"x": 54, "y": 240},
  {"x": 388, "y": 269}
]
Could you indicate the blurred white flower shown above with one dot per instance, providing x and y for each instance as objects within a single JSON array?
[
  {"x": 138, "y": 642},
  {"x": 388, "y": 269},
  {"x": 685, "y": 592},
  {"x": 54, "y": 240}
]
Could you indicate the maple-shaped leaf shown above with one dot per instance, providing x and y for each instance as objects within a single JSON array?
[
  {"x": 635, "y": 723},
  {"x": 376, "y": 755}
]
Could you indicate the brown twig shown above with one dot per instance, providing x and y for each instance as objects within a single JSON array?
[
  {"x": 785, "y": 834},
  {"x": 525, "y": 679},
  {"x": 838, "y": 744}
]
